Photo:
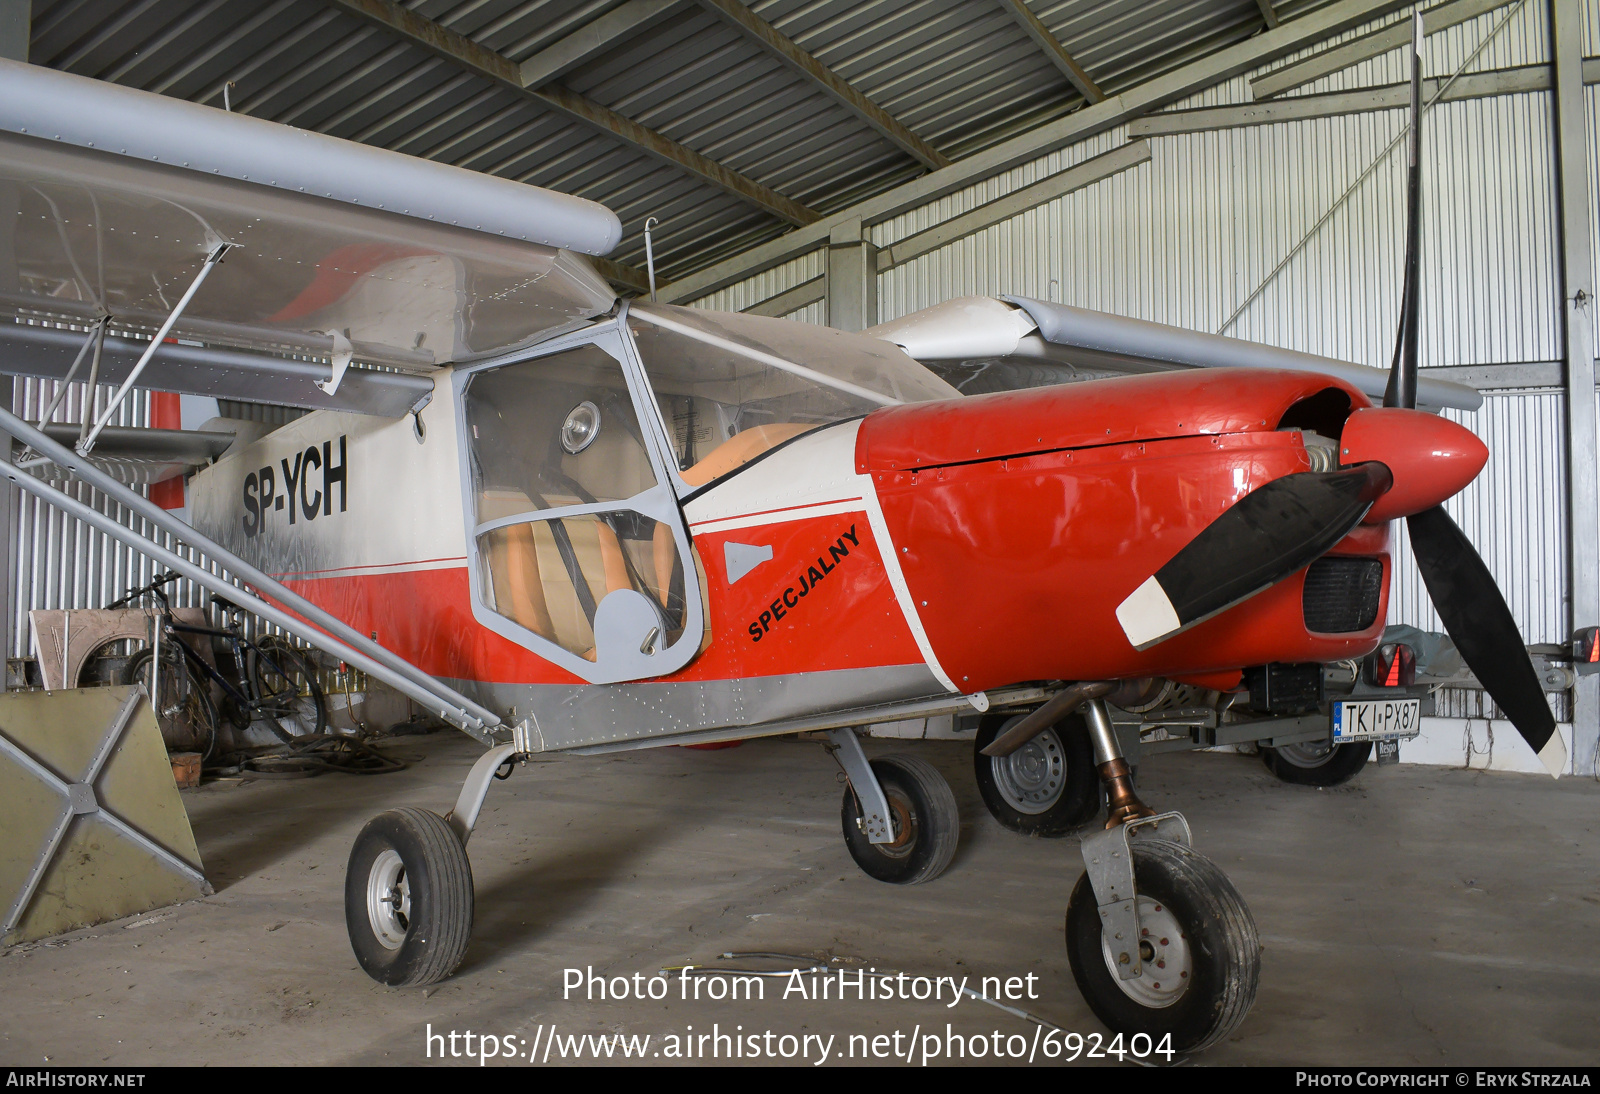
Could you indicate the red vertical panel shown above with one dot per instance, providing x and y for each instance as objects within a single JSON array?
[{"x": 166, "y": 413}]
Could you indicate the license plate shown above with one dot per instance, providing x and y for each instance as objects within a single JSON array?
[{"x": 1376, "y": 719}]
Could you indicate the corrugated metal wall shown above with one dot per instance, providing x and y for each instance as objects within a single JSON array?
[
  {"x": 60, "y": 562},
  {"x": 1188, "y": 237}
]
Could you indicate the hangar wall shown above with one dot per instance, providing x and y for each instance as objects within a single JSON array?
[
  {"x": 1189, "y": 236},
  {"x": 1199, "y": 231},
  {"x": 57, "y": 560}
]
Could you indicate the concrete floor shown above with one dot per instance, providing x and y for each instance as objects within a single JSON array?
[{"x": 1414, "y": 916}]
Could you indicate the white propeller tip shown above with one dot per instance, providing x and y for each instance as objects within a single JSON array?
[
  {"x": 1147, "y": 616},
  {"x": 1554, "y": 755}
]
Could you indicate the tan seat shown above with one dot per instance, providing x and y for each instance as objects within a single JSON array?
[
  {"x": 515, "y": 570},
  {"x": 514, "y": 553},
  {"x": 740, "y": 449}
]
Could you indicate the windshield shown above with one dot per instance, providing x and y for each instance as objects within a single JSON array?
[{"x": 732, "y": 386}]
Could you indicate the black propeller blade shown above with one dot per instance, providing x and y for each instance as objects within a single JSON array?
[
  {"x": 1402, "y": 391},
  {"x": 1468, "y": 601},
  {"x": 1480, "y": 624},
  {"x": 1264, "y": 537},
  {"x": 1285, "y": 525}
]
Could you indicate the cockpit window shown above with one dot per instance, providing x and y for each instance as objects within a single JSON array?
[
  {"x": 555, "y": 431},
  {"x": 732, "y": 386},
  {"x": 550, "y": 434}
]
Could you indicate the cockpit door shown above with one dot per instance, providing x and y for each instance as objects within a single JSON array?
[{"x": 579, "y": 551}]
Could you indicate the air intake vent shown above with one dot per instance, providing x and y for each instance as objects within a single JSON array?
[{"x": 1341, "y": 594}]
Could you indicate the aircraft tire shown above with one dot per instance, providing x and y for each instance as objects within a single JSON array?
[
  {"x": 415, "y": 857},
  {"x": 1314, "y": 765},
  {"x": 926, "y": 819},
  {"x": 1197, "y": 924},
  {"x": 1048, "y": 787}
]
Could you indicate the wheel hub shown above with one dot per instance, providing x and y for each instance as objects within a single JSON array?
[
  {"x": 1308, "y": 754},
  {"x": 1032, "y": 778},
  {"x": 389, "y": 899},
  {"x": 902, "y": 824},
  {"x": 1167, "y": 966}
]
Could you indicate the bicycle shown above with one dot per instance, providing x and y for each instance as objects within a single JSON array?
[{"x": 278, "y": 683}]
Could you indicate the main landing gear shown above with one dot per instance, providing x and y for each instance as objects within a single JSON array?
[
  {"x": 899, "y": 815},
  {"x": 408, "y": 889},
  {"x": 1159, "y": 940},
  {"x": 408, "y": 894}
]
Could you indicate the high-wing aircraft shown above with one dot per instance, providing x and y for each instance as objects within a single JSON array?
[{"x": 569, "y": 522}]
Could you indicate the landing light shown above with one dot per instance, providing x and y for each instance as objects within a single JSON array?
[{"x": 581, "y": 427}]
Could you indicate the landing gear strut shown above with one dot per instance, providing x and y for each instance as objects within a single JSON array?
[
  {"x": 408, "y": 894},
  {"x": 1159, "y": 940}
]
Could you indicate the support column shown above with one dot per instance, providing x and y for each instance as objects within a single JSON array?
[
  {"x": 852, "y": 277},
  {"x": 1578, "y": 316},
  {"x": 15, "y": 30}
]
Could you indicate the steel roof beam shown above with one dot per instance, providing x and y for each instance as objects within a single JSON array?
[
  {"x": 1268, "y": 16},
  {"x": 1014, "y": 204},
  {"x": 485, "y": 62},
  {"x": 791, "y": 300},
  {"x": 781, "y": 46},
  {"x": 621, "y": 274},
  {"x": 1054, "y": 50},
  {"x": 1117, "y": 110},
  {"x": 1338, "y": 104},
  {"x": 594, "y": 38},
  {"x": 1368, "y": 46},
  {"x": 987, "y": 215}
]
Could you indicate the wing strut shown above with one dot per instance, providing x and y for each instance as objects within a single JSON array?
[
  {"x": 217, "y": 251},
  {"x": 335, "y": 636}
]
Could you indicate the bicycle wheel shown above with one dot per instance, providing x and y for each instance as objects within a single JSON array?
[
  {"x": 183, "y": 707},
  {"x": 287, "y": 693}
]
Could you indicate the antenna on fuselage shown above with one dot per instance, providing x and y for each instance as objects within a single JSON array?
[{"x": 650, "y": 257}]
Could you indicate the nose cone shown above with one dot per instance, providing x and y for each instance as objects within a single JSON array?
[{"x": 1431, "y": 458}]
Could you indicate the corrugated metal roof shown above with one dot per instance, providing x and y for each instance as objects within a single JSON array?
[{"x": 960, "y": 74}]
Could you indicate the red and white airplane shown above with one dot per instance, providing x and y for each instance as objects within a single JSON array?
[{"x": 570, "y": 522}]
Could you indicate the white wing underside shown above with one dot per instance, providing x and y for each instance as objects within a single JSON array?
[{"x": 112, "y": 198}]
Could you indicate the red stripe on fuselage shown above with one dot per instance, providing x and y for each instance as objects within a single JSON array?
[{"x": 844, "y": 618}]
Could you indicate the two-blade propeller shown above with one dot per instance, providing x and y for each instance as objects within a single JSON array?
[{"x": 1281, "y": 527}]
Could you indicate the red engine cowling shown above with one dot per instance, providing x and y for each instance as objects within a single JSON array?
[{"x": 1022, "y": 519}]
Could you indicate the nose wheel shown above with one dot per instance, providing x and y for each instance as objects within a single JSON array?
[
  {"x": 1195, "y": 962},
  {"x": 1159, "y": 940}
]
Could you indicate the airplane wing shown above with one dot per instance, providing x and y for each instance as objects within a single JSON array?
[
  {"x": 111, "y": 200},
  {"x": 994, "y": 344},
  {"x": 139, "y": 456}
]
